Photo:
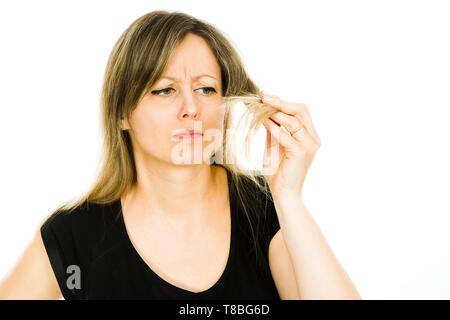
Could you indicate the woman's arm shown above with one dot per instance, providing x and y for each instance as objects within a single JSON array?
[
  {"x": 282, "y": 269},
  {"x": 32, "y": 277},
  {"x": 317, "y": 272},
  {"x": 287, "y": 159}
]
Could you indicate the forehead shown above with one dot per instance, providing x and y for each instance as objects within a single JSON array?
[{"x": 192, "y": 57}]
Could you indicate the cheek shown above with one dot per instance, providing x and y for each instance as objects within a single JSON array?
[
  {"x": 149, "y": 132},
  {"x": 143, "y": 123},
  {"x": 215, "y": 118}
]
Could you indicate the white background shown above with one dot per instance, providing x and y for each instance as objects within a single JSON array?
[{"x": 375, "y": 75}]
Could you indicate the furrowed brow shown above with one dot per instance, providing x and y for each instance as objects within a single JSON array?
[{"x": 196, "y": 77}]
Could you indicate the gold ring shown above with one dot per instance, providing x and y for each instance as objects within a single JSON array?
[{"x": 293, "y": 132}]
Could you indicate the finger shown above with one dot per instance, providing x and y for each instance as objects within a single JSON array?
[
  {"x": 306, "y": 139},
  {"x": 299, "y": 110},
  {"x": 292, "y": 123},
  {"x": 282, "y": 137},
  {"x": 309, "y": 125},
  {"x": 283, "y": 105},
  {"x": 269, "y": 141}
]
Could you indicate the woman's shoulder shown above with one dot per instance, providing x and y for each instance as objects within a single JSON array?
[
  {"x": 86, "y": 220},
  {"x": 76, "y": 236},
  {"x": 85, "y": 211}
]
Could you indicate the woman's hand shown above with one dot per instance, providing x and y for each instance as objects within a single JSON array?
[{"x": 288, "y": 157}]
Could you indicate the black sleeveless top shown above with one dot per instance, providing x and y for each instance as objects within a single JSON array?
[{"x": 91, "y": 243}]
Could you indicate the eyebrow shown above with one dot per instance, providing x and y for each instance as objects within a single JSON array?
[{"x": 196, "y": 77}]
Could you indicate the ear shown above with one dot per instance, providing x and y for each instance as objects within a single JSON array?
[{"x": 124, "y": 125}]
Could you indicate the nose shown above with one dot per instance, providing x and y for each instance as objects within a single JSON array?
[{"x": 189, "y": 106}]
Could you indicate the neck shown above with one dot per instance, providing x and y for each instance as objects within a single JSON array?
[{"x": 178, "y": 191}]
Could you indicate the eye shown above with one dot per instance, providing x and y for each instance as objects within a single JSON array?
[
  {"x": 165, "y": 91},
  {"x": 158, "y": 92},
  {"x": 209, "y": 90}
]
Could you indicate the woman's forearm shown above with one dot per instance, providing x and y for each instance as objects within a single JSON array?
[{"x": 319, "y": 274}]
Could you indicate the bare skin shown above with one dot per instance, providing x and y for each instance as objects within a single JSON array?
[{"x": 32, "y": 277}]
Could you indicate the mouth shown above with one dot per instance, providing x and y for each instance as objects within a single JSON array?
[{"x": 188, "y": 134}]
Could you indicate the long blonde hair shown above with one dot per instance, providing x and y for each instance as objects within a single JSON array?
[{"x": 136, "y": 61}]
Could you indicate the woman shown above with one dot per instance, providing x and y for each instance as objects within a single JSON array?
[{"x": 164, "y": 220}]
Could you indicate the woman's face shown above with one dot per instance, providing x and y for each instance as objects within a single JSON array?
[{"x": 188, "y": 96}]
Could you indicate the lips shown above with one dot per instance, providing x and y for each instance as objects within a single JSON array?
[{"x": 188, "y": 133}]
